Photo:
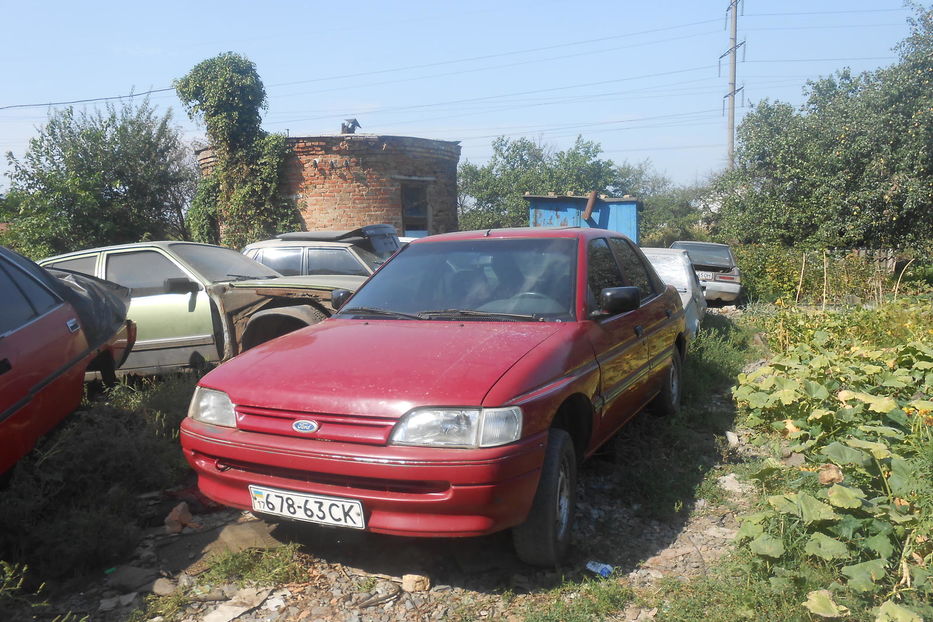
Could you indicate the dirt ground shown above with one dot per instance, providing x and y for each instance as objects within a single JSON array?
[{"x": 359, "y": 577}]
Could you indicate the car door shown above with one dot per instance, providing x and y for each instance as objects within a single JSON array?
[
  {"x": 659, "y": 332},
  {"x": 173, "y": 329},
  {"x": 41, "y": 348},
  {"x": 619, "y": 344}
]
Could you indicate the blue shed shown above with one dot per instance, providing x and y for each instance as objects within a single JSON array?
[{"x": 620, "y": 215}]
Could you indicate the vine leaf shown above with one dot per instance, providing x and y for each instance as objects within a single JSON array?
[
  {"x": 825, "y": 547},
  {"x": 845, "y": 497},
  {"x": 892, "y": 612},
  {"x": 820, "y": 602},
  {"x": 768, "y": 546},
  {"x": 862, "y": 576}
]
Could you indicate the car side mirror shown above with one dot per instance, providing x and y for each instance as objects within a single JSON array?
[
  {"x": 615, "y": 300},
  {"x": 339, "y": 297},
  {"x": 181, "y": 285}
]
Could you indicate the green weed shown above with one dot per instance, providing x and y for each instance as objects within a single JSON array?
[
  {"x": 591, "y": 600},
  {"x": 258, "y": 566}
]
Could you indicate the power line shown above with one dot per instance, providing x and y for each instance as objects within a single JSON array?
[
  {"x": 846, "y": 12},
  {"x": 86, "y": 101},
  {"x": 497, "y": 55}
]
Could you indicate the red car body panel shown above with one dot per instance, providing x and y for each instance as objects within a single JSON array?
[
  {"x": 356, "y": 377},
  {"x": 42, "y": 367}
]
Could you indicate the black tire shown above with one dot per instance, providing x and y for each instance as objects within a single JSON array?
[
  {"x": 544, "y": 538},
  {"x": 667, "y": 403}
]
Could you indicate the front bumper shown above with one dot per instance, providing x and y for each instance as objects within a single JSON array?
[{"x": 409, "y": 491}]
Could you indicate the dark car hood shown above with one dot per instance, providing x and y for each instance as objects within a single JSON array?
[{"x": 378, "y": 367}]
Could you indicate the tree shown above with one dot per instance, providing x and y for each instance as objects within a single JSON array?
[
  {"x": 240, "y": 199},
  {"x": 491, "y": 195},
  {"x": 96, "y": 178},
  {"x": 852, "y": 168}
]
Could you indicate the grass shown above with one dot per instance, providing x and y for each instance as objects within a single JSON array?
[
  {"x": 584, "y": 602},
  {"x": 258, "y": 566}
]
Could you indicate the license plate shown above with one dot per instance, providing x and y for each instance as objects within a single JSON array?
[
  {"x": 311, "y": 508},
  {"x": 705, "y": 276}
]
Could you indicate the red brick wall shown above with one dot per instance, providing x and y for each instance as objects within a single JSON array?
[{"x": 357, "y": 179}]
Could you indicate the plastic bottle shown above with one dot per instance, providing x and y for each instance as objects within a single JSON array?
[{"x": 603, "y": 570}]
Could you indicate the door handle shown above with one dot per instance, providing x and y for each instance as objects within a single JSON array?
[
  {"x": 5, "y": 366},
  {"x": 668, "y": 313},
  {"x": 639, "y": 330},
  {"x": 73, "y": 325}
]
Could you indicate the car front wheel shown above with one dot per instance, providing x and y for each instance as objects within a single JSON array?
[
  {"x": 544, "y": 538},
  {"x": 667, "y": 402}
]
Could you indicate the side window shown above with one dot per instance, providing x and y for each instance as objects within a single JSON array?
[
  {"x": 333, "y": 261},
  {"x": 15, "y": 310},
  {"x": 633, "y": 267},
  {"x": 284, "y": 260},
  {"x": 602, "y": 271},
  {"x": 142, "y": 271},
  {"x": 41, "y": 298},
  {"x": 84, "y": 265}
]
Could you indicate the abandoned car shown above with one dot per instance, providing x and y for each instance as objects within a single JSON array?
[
  {"x": 453, "y": 395},
  {"x": 716, "y": 268},
  {"x": 198, "y": 303},
  {"x": 359, "y": 252},
  {"x": 54, "y": 327},
  {"x": 674, "y": 267}
]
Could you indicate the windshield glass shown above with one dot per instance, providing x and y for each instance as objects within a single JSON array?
[
  {"x": 531, "y": 277},
  {"x": 384, "y": 244},
  {"x": 216, "y": 263},
  {"x": 707, "y": 254},
  {"x": 670, "y": 268},
  {"x": 372, "y": 260}
]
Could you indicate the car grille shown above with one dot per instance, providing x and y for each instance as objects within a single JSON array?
[{"x": 342, "y": 428}]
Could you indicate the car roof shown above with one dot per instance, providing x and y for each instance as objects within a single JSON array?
[
  {"x": 650, "y": 250},
  {"x": 163, "y": 244},
  {"x": 695, "y": 243},
  {"x": 521, "y": 232},
  {"x": 276, "y": 243}
]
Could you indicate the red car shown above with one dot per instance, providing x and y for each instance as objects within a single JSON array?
[
  {"x": 452, "y": 395},
  {"x": 53, "y": 329}
]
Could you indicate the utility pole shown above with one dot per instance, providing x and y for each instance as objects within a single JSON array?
[{"x": 732, "y": 52}]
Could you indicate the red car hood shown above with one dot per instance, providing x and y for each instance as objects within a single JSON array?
[{"x": 378, "y": 368}]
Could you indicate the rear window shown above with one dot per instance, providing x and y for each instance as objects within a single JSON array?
[{"x": 707, "y": 254}]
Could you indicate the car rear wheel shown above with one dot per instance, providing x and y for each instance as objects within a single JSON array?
[
  {"x": 544, "y": 538},
  {"x": 667, "y": 402}
]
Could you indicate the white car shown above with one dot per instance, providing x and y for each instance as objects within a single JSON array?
[{"x": 674, "y": 267}]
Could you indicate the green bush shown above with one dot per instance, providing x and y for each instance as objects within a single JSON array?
[{"x": 83, "y": 478}]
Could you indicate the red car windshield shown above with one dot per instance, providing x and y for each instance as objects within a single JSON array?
[{"x": 490, "y": 278}]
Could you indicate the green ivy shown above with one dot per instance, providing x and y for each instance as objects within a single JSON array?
[{"x": 240, "y": 201}]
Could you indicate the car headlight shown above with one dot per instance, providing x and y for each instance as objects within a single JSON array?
[
  {"x": 210, "y": 406},
  {"x": 458, "y": 427}
]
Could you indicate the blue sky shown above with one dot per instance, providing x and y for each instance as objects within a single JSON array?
[{"x": 640, "y": 78}]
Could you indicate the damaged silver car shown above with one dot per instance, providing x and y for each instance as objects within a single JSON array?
[{"x": 198, "y": 303}]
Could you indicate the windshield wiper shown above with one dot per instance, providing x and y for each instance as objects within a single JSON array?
[
  {"x": 377, "y": 311},
  {"x": 247, "y": 277},
  {"x": 452, "y": 313}
]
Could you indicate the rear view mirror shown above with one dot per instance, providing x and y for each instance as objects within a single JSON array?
[
  {"x": 339, "y": 297},
  {"x": 615, "y": 300},
  {"x": 181, "y": 285}
]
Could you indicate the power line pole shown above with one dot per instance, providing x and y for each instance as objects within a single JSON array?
[{"x": 732, "y": 52}]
